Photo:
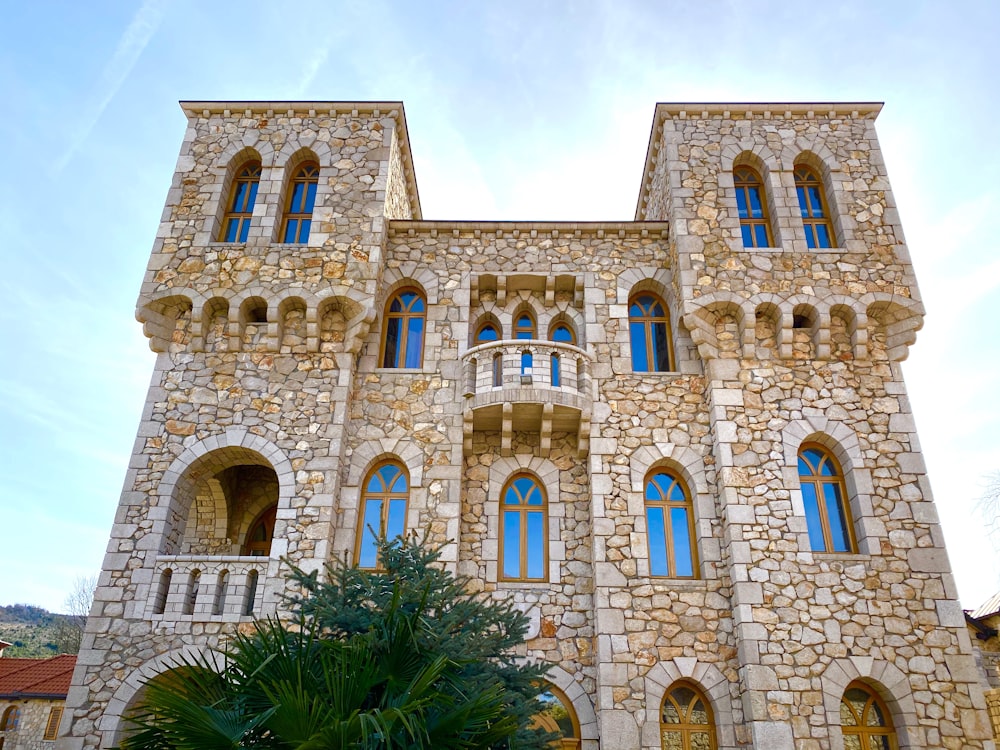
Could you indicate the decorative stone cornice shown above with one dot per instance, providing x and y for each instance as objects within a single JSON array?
[
  {"x": 531, "y": 229},
  {"x": 268, "y": 110},
  {"x": 741, "y": 111}
]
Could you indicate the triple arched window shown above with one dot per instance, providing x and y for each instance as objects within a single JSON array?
[
  {"x": 403, "y": 338},
  {"x": 524, "y": 536},
  {"x": 649, "y": 333},
  {"x": 824, "y": 494},
  {"x": 383, "y": 511},
  {"x": 686, "y": 721},
  {"x": 670, "y": 526}
]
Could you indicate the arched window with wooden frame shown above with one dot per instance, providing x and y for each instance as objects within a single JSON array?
[
  {"x": 649, "y": 333},
  {"x": 825, "y": 497},
  {"x": 487, "y": 332},
  {"x": 260, "y": 534},
  {"x": 865, "y": 720},
  {"x": 403, "y": 334},
  {"x": 558, "y": 717},
  {"x": 686, "y": 721},
  {"x": 524, "y": 530},
  {"x": 751, "y": 203},
  {"x": 242, "y": 196},
  {"x": 813, "y": 208},
  {"x": 11, "y": 718},
  {"x": 524, "y": 326},
  {"x": 383, "y": 511},
  {"x": 299, "y": 204},
  {"x": 670, "y": 526}
]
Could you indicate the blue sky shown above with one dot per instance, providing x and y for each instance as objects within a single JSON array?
[{"x": 516, "y": 110}]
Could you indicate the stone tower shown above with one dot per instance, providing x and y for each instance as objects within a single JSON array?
[{"x": 681, "y": 444}]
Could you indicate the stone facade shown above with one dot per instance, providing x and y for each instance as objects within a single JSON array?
[
  {"x": 32, "y": 700},
  {"x": 269, "y": 389}
]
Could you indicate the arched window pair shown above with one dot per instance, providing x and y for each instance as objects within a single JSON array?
[
  {"x": 299, "y": 202},
  {"x": 755, "y": 221}
]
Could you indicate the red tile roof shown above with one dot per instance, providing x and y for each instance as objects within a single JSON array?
[{"x": 36, "y": 678}]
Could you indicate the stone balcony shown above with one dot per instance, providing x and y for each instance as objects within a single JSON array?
[
  {"x": 207, "y": 588},
  {"x": 528, "y": 386}
]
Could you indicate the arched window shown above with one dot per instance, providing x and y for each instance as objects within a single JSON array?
[
  {"x": 825, "y": 498},
  {"x": 813, "y": 207},
  {"x": 162, "y": 592},
  {"x": 299, "y": 206},
  {"x": 524, "y": 326},
  {"x": 221, "y": 593},
  {"x": 649, "y": 327},
  {"x": 558, "y": 717},
  {"x": 250, "y": 595},
  {"x": 562, "y": 333},
  {"x": 242, "y": 196},
  {"x": 258, "y": 539},
  {"x": 487, "y": 332},
  {"x": 751, "y": 201},
  {"x": 524, "y": 543},
  {"x": 497, "y": 370},
  {"x": 194, "y": 584},
  {"x": 670, "y": 527},
  {"x": 403, "y": 342},
  {"x": 554, "y": 367},
  {"x": 686, "y": 721},
  {"x": 11, "y": 718},
  {"x": 865, "y": 720},
  {"x": 383, "y": 511}
]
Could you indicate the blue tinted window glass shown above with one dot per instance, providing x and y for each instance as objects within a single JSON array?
[
  {"x": 683, "y": 559},
  {"x": 837, "y": 517},
  {"x": 414, "y": 342},
  {"x": 804, "y": 470},
  {"x": 655, "y": 522},
  {"x": 397, "y": 478},
  {"x": 298, "y": 191},
  {"x": 291, "y": 227},
  {"x": 815, "y": 202},
  {"x": 555, "y": 370},
  {"x": 803, "y": 206},
  {"x": 244, "y": 229},
  {"x": 747, "y": 232},
  {"x": 306, "y": 225},
  {"x": 232, "y": 226},
  {"x": 756, "y": 208},
  {"x": 810, "y": 236},
  {"x": 760, "y": 233},
  {"x": 310, "y": 198},
  {"x": 813, "y": 456},
  {"x": 637, "y": 333},
  {"x": 661, "y": 347},
  {"x": 536, "y": 545},
  {"x": 823, "y": 236},
  {"x": 396, "y": 523},
  {"x": 368, "y": 553},
  {"x": 563, "y": 334},
  {"x": 741, "y": 203},
  {"x": 512, "y": 544},
  {"x": 525, "y": 362},
  {"x": 392, "y": 330},
  {"x": 488, "y": 333},
  {"x": 524, "y": 487},
  {"x": 240, "y": 196},
  {"x": 813, "y": 521},
  {"x": 251, "y": 197}
]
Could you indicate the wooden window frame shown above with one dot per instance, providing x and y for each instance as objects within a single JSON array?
[
  {"x": 746, "y": 178},
  {"x": 666, "y": 504},
  {"x": 556, "y": 325},
  {"x": 11, "y": 719},
  {"x": 523, "y": 510},
  {"x": 517, "y": 328},
  {"x": 306, "y": 174},
  {"x": 266, "y": 519},
  {"x": 52, "y": 724},
  {"x": 248, "y": 174},
  {"x": 542, "y": 721},
  {"x": 649, "y": 321},
  {"x": 404, "y": 316},
  {"x": 686, "y": 728},
  {"x": 867, "y": 731},
  {"x": 386, "y": 496},
  {"x": 488, "y": 323},
  {"x": 813, "y": 216},
  {"x": 819, "y": 480}
]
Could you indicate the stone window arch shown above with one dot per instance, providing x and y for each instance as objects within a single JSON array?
[
  {"x": 11, "y": 719},
  {"x": 686, "y": 718},
  {"x": 670, "y": 526},
  {"x": 299, "y": 199},
  {"x": 403, "y": 329},
  {"x": 865, "y": 720},
  {"x": 752, "y": 207},
  {"x": 814, "y": 208},
  {"x": 649, "y": 333},
  {"x": 703, "y": 677},
  {"x": 559, "y": 717},
  {"x": 241, "y": 200},
  {"x": 824, "y": 495},
  {"x": 524, "y": 529}
]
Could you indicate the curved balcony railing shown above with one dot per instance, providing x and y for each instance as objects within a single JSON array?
[
  {"x": 528, "y": 370},
  {"x": 202, "y": 588}
]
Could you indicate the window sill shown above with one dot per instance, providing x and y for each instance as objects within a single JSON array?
[
  {"x": 527, "y": 585},
  {"x": 405, "y": 370}
]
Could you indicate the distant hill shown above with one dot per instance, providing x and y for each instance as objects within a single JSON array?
[{"x": 33, "y": 631}]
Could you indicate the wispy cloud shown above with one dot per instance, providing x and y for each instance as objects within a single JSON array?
[
  {"x": 130, "y": 46},
  {"x": 313, "y": 65}
]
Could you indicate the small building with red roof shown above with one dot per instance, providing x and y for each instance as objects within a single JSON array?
[{"x": 32, "y": 697}]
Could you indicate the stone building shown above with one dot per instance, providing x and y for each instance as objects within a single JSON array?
[
  {"x": 32, "y": 699},
  {"x": 983, "y": 624},
  {"x": 681, "y": 444}
]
